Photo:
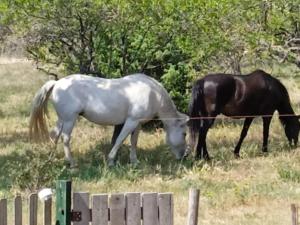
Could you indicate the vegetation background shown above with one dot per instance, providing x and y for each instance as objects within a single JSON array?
[{"x": 175, "y": 42}]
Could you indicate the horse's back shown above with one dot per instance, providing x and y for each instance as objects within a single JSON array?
[
  {"x": 235, "y": 95},
  {"x": 257, "y": 93},
  {"x": 265, "y": 85},
  {"x": 106, "y": 101}
]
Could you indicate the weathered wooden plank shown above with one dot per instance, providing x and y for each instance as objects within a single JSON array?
[
  {"x": 193, "y": 206},
  {"x": 3, "y": 212},
  {"x": 100, "y": 209},
  {"x": 33, "y": 207},
  {"x": 81, "y": 204},
  {"x": 133, "y": 208},
  {"x": 150, "y": 209},
  {"x": 165, "y": 206},
  {"x": 48, "y": 211},
  {"x": 18, "y": 210},
  {"x": 117, "y": 209}
]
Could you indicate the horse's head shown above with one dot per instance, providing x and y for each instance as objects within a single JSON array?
[
  {"x": 176, "y": 133},
  {"x": 292, "y": 129}
]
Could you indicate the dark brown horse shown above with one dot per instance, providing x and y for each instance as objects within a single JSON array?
[{"x": 240, "y": 96}]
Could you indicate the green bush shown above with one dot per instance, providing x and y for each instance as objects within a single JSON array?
[
  {"x": 175, "y": 80},
  {"x": 35, "y": 168}
]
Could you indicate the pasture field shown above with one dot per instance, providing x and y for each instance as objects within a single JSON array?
[{"x": 256, "y": 189}]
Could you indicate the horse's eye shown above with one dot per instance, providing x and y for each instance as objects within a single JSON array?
[{"x": 184, "y": 134}]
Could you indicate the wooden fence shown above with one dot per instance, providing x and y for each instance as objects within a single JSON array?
[
  {"x": 104, "y": 209},
  {"x": 101, "y": 209},
  {"x": 32, "y": 211}
]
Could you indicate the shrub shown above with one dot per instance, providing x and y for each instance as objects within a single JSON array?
[{"x": 36, "y": 168}]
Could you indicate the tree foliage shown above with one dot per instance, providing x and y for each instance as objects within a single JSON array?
[{"x": 171, "y": 40}]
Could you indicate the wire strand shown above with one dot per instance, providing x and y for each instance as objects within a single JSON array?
[{"x": 222, "y": 117}]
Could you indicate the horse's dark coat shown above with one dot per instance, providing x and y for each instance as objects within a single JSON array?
[{"x": 240, "y": 96}]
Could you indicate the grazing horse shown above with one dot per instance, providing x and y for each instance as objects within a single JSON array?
[
  {"x": 131, "y": 100},
  {"x": 240, "y": 96}
]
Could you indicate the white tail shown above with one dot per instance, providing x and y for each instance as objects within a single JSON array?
[{"x": 38, "y": 130}]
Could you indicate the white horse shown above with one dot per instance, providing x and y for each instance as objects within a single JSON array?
[{"x": 130, "y": 100}]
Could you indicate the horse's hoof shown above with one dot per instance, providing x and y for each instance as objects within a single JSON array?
[
  {"x": 111, "y": 163},
  {"x": 134, "y": 162},
  {"x": 237, "y": 155},
  {"x": 206, "y": 158},
  {"x": 74, "y": 166},
  {"x": 197, "y": 157},
  {"x": 71, "y": 165}
]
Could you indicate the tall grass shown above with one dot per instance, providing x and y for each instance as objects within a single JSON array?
[{"x": 256, "y": 189}]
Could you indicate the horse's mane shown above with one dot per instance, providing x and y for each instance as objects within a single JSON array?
[
  {"x": 195, "y": 106},
  {"x": 168, "y": 103},
  {"x": 284, "y": 106}
]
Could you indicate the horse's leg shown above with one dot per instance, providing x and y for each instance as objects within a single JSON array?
[
  {"x": 56, "y": 132},
  {"x": 209, "y": 122},
  {"x": 133, "y": 140},
  {"x": 116, "y": 133},
  {"x": 266, "y": 125},
  {"x": 128, "y": 127},
  {"x": 67, "y": 128},
  {"x": 205, "y": 152},
  {"x": 201, "y": 147},
  {"x": 245, "y": 129}
]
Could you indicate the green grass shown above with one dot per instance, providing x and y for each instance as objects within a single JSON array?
[{"x": 256, "y": 189}]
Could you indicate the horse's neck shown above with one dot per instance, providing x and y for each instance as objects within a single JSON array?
[
  {"x": 285, "y": 108},
  {"x": 167, "y": 111},
  {"x": 285, "y": 112}
]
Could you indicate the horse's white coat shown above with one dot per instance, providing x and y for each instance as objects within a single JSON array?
[{"x": 131, "y": 100}]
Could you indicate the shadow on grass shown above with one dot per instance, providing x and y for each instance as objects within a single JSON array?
[{"x": 93, "y": 166}]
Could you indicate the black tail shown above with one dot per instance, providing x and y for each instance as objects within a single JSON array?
[{"x": 196, "y": 108}]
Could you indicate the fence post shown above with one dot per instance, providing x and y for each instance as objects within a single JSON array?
[
  {"x": 63, "y": 202},
  {"x": 294, "y": 209},
  {"x": 193, "y": 206}
]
